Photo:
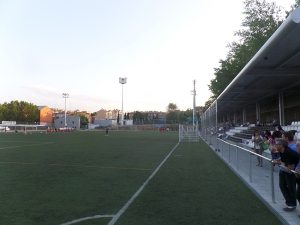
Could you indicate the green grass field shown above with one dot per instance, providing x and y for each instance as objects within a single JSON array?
[{"x": 62, "y": 177}]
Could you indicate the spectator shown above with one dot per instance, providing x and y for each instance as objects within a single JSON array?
[
  {"x": 294, "y": 133},
  {"x": 246, "y": 124},
  {"x": 274, "y": 122},
  {"x": 272, "y": 140},
  {"x": 257, "y": 123},
  {"x": 279, "y": 128},
  {"x": 297, "y": 169},
  {"x": 267, "y": 135},
  {"x": 289, "y": 137},
  {"x": 287, "y": 184},
  {"x": 222, "y": 136},
  {"x": 257, "y": 140}
]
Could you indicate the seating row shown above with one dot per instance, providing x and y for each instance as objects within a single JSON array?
[
  {"x": 295, "y": 123},
  {"x": 291, "y": 127}
]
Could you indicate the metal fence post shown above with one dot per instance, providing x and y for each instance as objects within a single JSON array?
[
  {"x": 229, "y": 153},
  {"x": 272, "y": 182},
  {"x": 222, "y": 148},
  {"x": 237, "y": 158},
  {"x": 250, "y": 167}
]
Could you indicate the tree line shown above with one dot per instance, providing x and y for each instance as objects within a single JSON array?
[
  {"x": 174, "y": 114},
  {"x": 261, "y": 20},
  {"x": 19, "y": 111}
]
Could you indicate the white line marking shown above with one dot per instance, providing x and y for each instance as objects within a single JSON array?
[
  {"x": 87, "y": 218},
  {"x": 116, "y": 217},
  {"x": 20, "y": 146}
]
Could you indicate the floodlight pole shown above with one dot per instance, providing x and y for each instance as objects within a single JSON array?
[
  {"x": 122, "y": 106},
  {"x": 65, "y": 96},
  {"x": 122, "y": 81},
  {"x": 194, "y": 103}
]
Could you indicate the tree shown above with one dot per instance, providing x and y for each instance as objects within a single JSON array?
[
  {"x": 294, "y": 6},
  {"x": 145, "y": 116},
  {"x": 137, "y": 115},
  {"x": 125, "y": 116},
  {"x": 83, "y": 120},
  {"x": 19, "y": 111},
  {"x": 171, "y": 107},
  {"x": 172, "y": 112},
  {"x": 261, "y": 20},
  {"x": 118, "y": 117},
  {"x": 94, "y": 114}
]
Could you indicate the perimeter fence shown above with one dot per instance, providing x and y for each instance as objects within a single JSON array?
[{"x": 236, "y": 155}]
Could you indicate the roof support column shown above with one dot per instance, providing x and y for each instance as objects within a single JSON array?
[
  {"x": 234, "y": 117},
  {"x": 258, "y": 111},
  {"x": 210, "y": 125},
  {"x": 244, "y": 115},
  {"x": 281, "y": 108},
  {"x": 217, "y": 124}
]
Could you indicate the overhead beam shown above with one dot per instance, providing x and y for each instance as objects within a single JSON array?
[{"x": 273, "y": 73}]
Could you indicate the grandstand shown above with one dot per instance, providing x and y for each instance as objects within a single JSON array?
[
  {"x": 243, "y": 135},
  {"x": 267, "y": 87}
]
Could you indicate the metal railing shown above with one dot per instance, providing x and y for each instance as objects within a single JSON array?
[{"x": 233, "y": 154}]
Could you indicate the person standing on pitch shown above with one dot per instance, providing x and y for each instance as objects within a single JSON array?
[
  {"x": 106, "y": 131},
  {"x": 287, "y": 184}
]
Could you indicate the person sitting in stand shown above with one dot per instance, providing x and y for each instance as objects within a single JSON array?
[
  {"x": 246, "y": 124},
  {"x": 258, "y": 123},
  {"x": 274, "y": 122},
  {"x": 222, "y": 136},
  {"x": 279, "y": 128}
]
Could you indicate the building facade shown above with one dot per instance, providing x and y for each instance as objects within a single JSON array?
[{"x": 45, "y": 115}]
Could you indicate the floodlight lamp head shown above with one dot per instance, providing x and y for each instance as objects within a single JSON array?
[
  {"x": 122, "y": 80},
  {"x": 65, "y": 95}
]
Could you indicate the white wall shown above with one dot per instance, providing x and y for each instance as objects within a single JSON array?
[{"x": 72, "y": 121}]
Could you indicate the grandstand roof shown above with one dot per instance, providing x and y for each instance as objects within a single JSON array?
[{"x": 274, "y": 68}]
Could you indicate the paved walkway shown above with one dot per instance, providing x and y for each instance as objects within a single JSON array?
[{"x": 261, "y": 179}]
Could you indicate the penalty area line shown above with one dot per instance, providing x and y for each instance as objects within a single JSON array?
[
  {"x": 87, "y": 218},
  {"x": 116, "y": 217}
]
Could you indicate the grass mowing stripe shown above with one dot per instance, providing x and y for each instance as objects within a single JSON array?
[
  {"x": 43, "y": 194},
  {"x": 148, "y": 140},
  {"x": 116, "y": 217},
  {"x": 196, "y": 188},
  {"x": 20, "y": 146},
  {"x": 55, "y": 164}
]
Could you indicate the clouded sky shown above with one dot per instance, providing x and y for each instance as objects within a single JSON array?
[{"x": 82, "y": 48}]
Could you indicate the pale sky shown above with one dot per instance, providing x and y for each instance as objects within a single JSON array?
[{"x": 82, "y": 48}]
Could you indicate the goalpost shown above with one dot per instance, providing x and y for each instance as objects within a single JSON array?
[{"x": 188, "y": 133}]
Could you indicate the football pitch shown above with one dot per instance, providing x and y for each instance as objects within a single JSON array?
[{"x": 126, "y": 178}]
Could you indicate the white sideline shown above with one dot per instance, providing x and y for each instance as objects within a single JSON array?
[
  {"x": 116, "y": 217},
  {"x": 87, "y": 218}
]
